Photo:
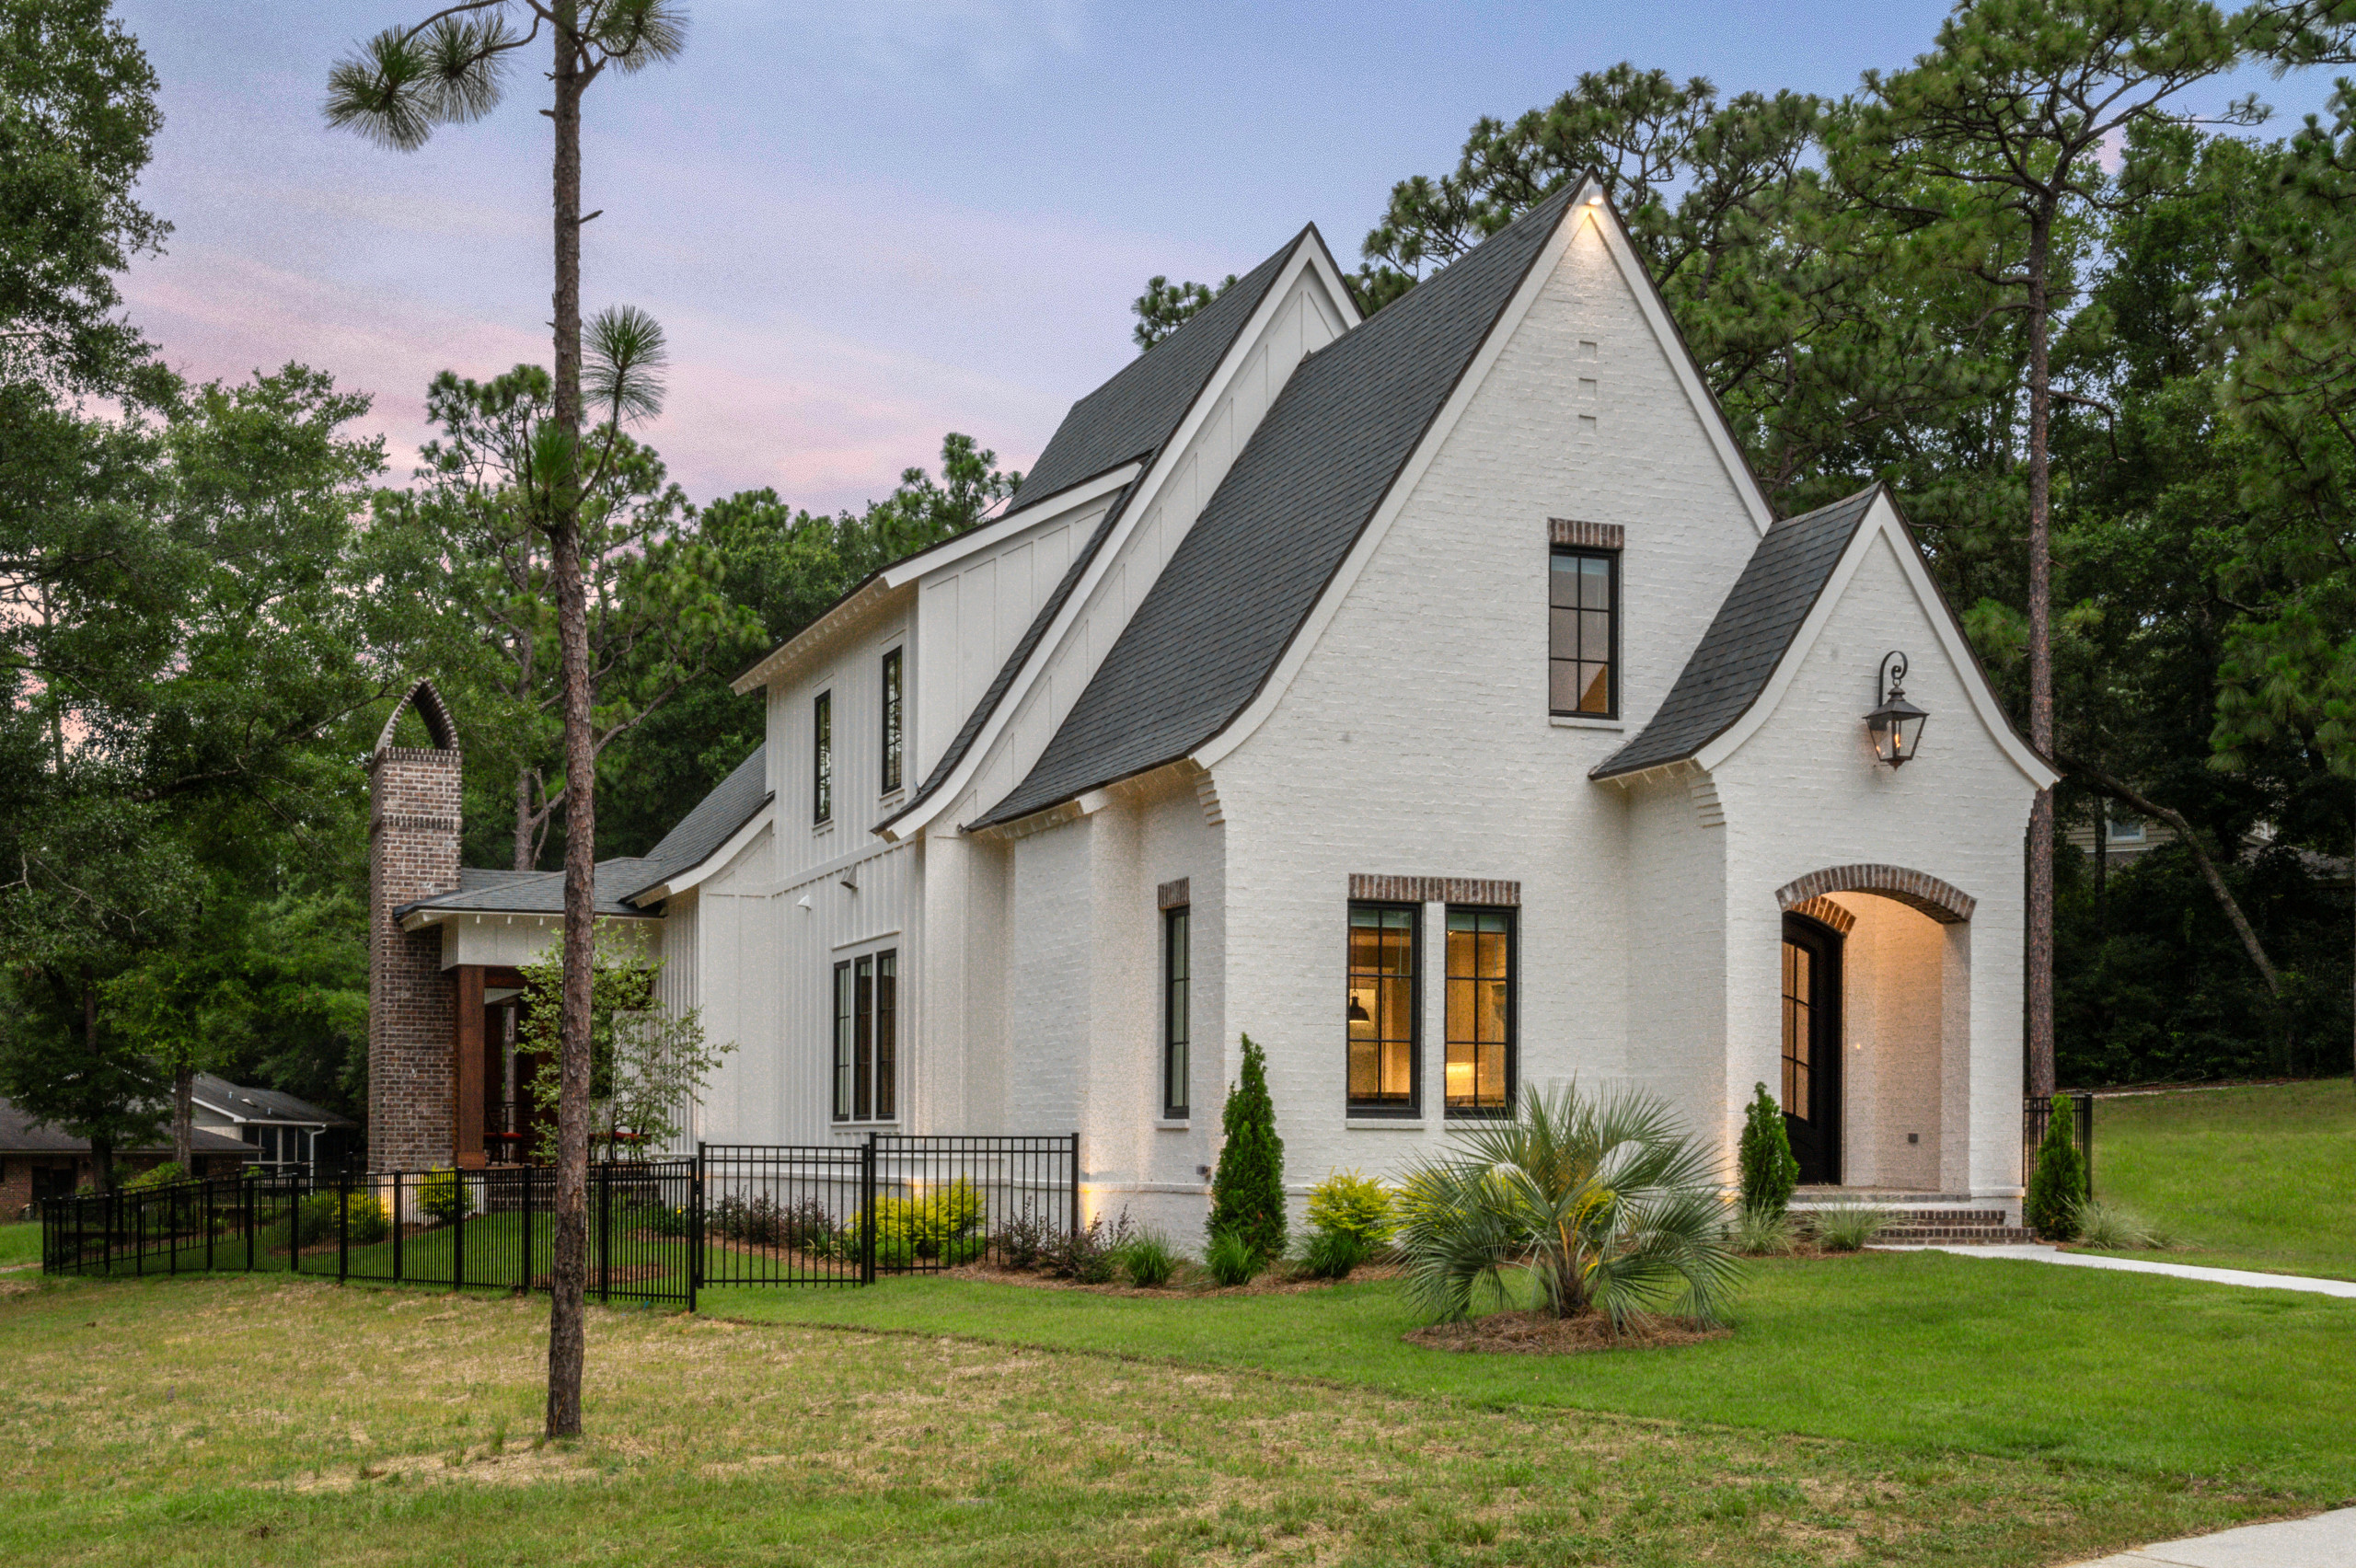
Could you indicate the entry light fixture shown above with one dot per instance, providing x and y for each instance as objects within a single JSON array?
[
  {"x": 1897, "y": 725},
  {"x": 1358, "y": 1011}
]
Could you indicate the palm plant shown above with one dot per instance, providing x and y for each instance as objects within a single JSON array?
[{"x": 1608, "y": 1203}]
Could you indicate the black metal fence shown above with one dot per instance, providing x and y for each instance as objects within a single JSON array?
[
  {"x": 2037, "y": 1115},
  {"x": 659, "y": 1231}
]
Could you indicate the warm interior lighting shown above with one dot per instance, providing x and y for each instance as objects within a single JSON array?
[
  {"x": 1897, "y": 725},
  {"x": 1358, "y": 1011}
]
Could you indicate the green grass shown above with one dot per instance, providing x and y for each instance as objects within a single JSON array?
[
  {"x": 1916, "y": 1350},
  {"x": 19, "y": 1244},
  {"x": 263, "y": 1420},
  {"x": 2249, "y": 1178}
]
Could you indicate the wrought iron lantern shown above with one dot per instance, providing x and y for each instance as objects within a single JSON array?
[{"x": 1897, "y": 725}]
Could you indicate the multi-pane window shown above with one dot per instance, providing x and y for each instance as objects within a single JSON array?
[
  {"x": 1176, "y": 967},
  {"x": 866, "y": 1037},
  {"x": 892, "y": 720},
  {"x": 1799, "y": 1027},
  {"x": 1480, "y": 1011},
  {"x": 1383, "y": 1031},
  {"x": 821, "y": 758},
  {"x": 1583, "y": 664}
]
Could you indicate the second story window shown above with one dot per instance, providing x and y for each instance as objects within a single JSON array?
[
  {"x": 891, "y": 720},
  {"x": 1583, "y": 637},
  {"x": 821, "y": 758}
]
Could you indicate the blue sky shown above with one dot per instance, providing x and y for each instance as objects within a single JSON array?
[{"x": 866, "y": 224}]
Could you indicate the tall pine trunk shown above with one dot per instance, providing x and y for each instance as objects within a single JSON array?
[
  {"x": 525, "y": 861},
  {"x": 570, "y": 1275},
  {"x": 2039, "y": 915}
]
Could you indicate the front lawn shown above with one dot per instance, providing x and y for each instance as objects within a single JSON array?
[
  {"x": 264, "y": 1420},
  {"x": 19, "y": 1244},
  {"x": 1917, "y": 1350},
  {"x": 2251, "y": 1178}
]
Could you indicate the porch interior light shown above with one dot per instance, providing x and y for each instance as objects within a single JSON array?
[
  {"x": 1358, "y": 1011},
  {"x": 1897, "y": 725}
]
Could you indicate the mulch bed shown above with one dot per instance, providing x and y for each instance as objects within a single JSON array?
[
  {"x": 1189, "y": 1281},
  {"x": 1540, "y": 1333}
]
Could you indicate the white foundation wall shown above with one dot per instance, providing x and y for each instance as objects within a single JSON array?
[
  {"x": 1673, "y": 903},
  {"x": 1305, "y": 321},
  {"x": 1416, "y": 738},
  {"x": 1893, "y": 961},
  {"x": 1805, "y": 792}
]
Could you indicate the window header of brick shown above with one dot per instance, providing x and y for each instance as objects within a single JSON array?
[
  {"x": 1434, "y": 890},
  {"x": 1586, "y": 535},
  {"x": 1826, "y": 913},
  {"x": 1170, "y": 894}
]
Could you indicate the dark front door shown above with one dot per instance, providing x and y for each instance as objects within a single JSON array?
[{"x": 1812, "y": 1048}]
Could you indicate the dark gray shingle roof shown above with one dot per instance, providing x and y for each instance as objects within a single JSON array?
[
  {"x": 262, "y": 1104},
  {"x": 715, "y": 819},
  {"x": 1113, "y": 419},
  {"x": 1250, "y": 570},
  {"x": 1737, "y": 657},
  {"x": 19, "y": 1136}
]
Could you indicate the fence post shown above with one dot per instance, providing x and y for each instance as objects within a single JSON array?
[
  {"x": 295, "y": 1228},
  {"x": 2086, "y": 1139},
  {"x": 1075, "y": 1184},
  {"x": 396, "y": 1227},
  {"x": 605, "y": 1180},
  {"x": 457, "y": 1230},
  {"x": 695, "y": 1227},
  {"x": 342, "y": 1226},
  {"x": 867, "y": 1213},
  {"x": 212, "y": 1221},
  {"x": 248, "y": 1192},
  {"x": 528, "y": 1275}
]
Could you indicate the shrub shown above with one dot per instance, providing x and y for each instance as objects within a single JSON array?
[
  {"x": 1090, "y": 1255},
  {"x": 1023, "y": 1240},
  {"x": 1845, "y": 1227},
  {"x": 762, "y": 1221},
  {"x": 442, "y": 1197},
  {"x": 163, "y": 1175},
  {"x": 1231, "y": 1258},
  {"x": 2114, "y": 1228},
  {"x": 2057, "y": 1186},
  {"x": 1248, "y": 1191},
  {"x": 1767, "y": 1170},
  {"x": 1760, "y": 1233},
  {"x": 1149, "y": 1260},
  {"x": 1347, "y": 1204},
  {"x": 1610, "y": 1204},
  {"x": 927, "y": 1226},
  {"x": 1332, "y": 1254},
  {"x": 365, "y": 1212}
]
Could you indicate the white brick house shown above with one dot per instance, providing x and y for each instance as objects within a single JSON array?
[{"x": 1434, "y": 700}]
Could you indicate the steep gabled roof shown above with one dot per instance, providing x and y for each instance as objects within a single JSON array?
[
  {"x": 1250, "y": 570},
  {"x": 260, "y": 1104},
  {"x": 1131, "y": 416},
  {"x": 1754, "y": 627}
]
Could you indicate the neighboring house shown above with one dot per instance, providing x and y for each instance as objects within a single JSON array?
[
  {"x": 39, "y": 1162},
  {"x": 2128, "y": 836},
  {"x": 290, "y": 1134},
  {"x": 1434, "y": 698}
]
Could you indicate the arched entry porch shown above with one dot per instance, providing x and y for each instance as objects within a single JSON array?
[{"x": 1876, "y": 1028}]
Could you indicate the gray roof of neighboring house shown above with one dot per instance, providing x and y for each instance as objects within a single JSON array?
[
  {"x": 1753, "y": 628},
  {"x": 19, "y": 1136},
  {"x": 715, "y": 819},
  {"x": 263, "y": 1104},
  {"x": 1130, "y": 416},
  {"x": 1255, "y": 562}
]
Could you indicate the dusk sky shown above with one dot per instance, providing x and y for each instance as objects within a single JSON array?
[{"x": 863, "y": 225}]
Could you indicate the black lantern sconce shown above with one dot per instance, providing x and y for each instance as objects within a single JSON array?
[{"x": 1897, "y": 725}]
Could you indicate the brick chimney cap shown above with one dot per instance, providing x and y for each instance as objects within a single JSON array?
[{"x": 430, "y": 707}]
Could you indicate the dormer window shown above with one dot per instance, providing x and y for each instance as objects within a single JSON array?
[
  {"x": 821, "y": 758},
  {"x": 1583, "y": 653}
]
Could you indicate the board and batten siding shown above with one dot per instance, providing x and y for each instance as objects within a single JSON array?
[{"x": 853, "y": 672}]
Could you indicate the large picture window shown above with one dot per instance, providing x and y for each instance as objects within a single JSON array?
[
  {"x": 891, "y": 720},
  {"x": 1480, "y": 1011},
  {"x": 866, "y": 1038},
  {"x": 1382, "y": 1008},
  {"x": 1177, "y": 962},
  {"x": 1583, "y": 664},
  {"x": 821, "y": 758}
]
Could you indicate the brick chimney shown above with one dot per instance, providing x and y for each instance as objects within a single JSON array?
[{"x": 413, "y": 812}]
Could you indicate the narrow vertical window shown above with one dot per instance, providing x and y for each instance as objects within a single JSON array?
[
  {"x": 1176, "y": 966},
  {"x": 845, "y": 1043},
  {"x": 1583, "y": 636},
  {"x": 821, "y": 758},
  {"x": 1480, "y": 1011},
  {"x": 862, "y": 1043},
  {"x": 887, "y": 1008},
  {"x": 1383, "y": 1027},
  {"x": 891, "y": 721}
]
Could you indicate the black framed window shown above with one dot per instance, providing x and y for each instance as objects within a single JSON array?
[
  {"x": 822, "y": 757},
  {"x": 891, "y": 721},
  {"x": 1384, "y": 1010},
  {"x": 1583, "y": 634},
  {"x": 1177, "y": 962},
  {"x": 867, "y": 1007},
  {"x": 1480, "y": 1011}
]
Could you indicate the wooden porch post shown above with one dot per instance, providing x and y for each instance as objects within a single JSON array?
[{"x": 468, "y": 1107}]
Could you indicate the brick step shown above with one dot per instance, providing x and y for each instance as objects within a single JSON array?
[
  {"x": 1941, "y": 1217},
  {"x": 1987, "y": 1235}
]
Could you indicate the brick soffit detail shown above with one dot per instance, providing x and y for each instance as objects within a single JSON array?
[
  {"x": 1571, "y": 532},
  {"x": 1434, "y": 890}
]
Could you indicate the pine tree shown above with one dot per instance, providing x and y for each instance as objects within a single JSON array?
[
  {"x": 2057, "y": 1186},
  {"x": 1768, "y": 1169},
  {"x": 1248, "y": 1192}
]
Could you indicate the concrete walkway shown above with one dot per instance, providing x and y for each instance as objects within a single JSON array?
[
  {"x": 2041, "y": 1253},
  {"x": 2326, "y": 1541}
]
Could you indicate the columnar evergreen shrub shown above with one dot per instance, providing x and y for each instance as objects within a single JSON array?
[
  {"x": 1768, "y": 1169},
  {"x": 1248, "y": 1191},
  {"x": 2057, "y": 1186}
]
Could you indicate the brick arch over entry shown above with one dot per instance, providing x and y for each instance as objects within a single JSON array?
[
  {"x": 439, "y": 725},
  {"x": 1943, "y": 902}
]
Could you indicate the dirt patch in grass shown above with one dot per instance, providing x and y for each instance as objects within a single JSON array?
[
  {"x": 1190, "y": 1280},
  {"x": 1540, "y": 1333}
]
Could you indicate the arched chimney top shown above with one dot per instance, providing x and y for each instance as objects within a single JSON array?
[{"x": 430, "y": 707}]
